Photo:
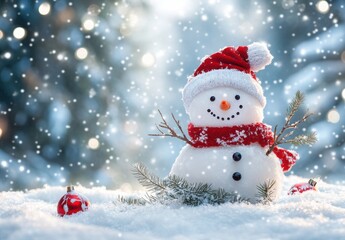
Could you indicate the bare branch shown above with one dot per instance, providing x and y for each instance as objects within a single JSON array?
[
  {"x": 179, "y": 126},
  {"x": 170, "y": 131},
  {"x": 159, "y": 129}
]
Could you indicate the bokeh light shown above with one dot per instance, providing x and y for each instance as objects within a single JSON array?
[
  {"x": 148, "y": 60},
  {"x": 81, "y": 53},
  {"x": 7, "y": 55},
  {"x": 88, "y": 24},
  {"x": 322, "y": 6},
  {"x": 19, "y": 33},
  {"x": 4, "y": 164},
  {"x": 333, "y": 116},
  {"x": 93, "y": 143},
  {"x": 44, "y": 8}
]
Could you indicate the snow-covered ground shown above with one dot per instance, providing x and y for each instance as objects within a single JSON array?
[{"x": 311, "y": 215}]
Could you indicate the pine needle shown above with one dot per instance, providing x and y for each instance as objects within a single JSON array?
[
  {"x": 195, "y": 194},
  {"x": 295, "y": 104},
  {"x": 176, "y": 188},
  {"x": 308, "y": 139},
  {"x": 288, "y": 129},
  {"x": 266, "y": 191},
  {"x": 148, "y": 180}
]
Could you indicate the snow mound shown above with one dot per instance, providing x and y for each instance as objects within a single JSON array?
[{"x": 311, "y": 215}]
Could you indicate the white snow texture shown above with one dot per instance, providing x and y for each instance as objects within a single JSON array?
[
  {"x": 311, "y": 215},
  {"x": 259, "y": 56},
  {"x": 216, "y": 167}
]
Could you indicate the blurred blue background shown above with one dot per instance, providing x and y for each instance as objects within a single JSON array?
[{"x": 81, "y": 82}]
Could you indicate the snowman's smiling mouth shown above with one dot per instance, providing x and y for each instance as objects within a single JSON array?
[{"x": 224, "y": 118}]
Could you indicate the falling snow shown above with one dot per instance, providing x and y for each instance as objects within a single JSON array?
[
  {"x": 81, "y": 85},
  {"x": 81, "y": 82}
]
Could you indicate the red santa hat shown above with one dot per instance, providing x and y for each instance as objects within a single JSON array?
[{"x": 230, "y": 67}]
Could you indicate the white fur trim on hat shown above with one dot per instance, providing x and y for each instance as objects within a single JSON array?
[
  {"x": 258, "y": 56},
  {"x": 222, "y": 78}
]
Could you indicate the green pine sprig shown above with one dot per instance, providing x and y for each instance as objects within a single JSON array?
[
  {"x": 309, "y": 138},
  {"x": 151, "y": 182},
  {"x": 266, "y": 191},
  {"x": 283, "y": 137},
  {"x": 175, "y": 188},
  {"x": 199, "y": 193}
]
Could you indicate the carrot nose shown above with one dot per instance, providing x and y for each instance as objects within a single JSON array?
[{"x": 225, "y": 105}]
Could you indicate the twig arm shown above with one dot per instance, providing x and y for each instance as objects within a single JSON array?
[{"x": 170, "y": 132}]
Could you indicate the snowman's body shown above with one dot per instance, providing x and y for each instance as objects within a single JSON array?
[{"x": 217, "y": 166}]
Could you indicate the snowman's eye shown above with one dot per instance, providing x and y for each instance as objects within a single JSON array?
[
  {"x": 212, "y": 98},
  {"x": 237, "y": 97}
]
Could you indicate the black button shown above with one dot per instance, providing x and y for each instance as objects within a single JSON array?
[
  {"x": 237, "y": 156},
  {"x": 236, "y": 176}
]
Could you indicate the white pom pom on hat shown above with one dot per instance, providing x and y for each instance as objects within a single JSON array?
[
  {"x": 230, "y": 67},
  {"x": 258, "y": 56}
]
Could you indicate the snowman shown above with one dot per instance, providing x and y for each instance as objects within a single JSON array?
[{"x": 225, "y": 102}]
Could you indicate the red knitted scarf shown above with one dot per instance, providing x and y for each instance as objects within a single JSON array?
[{"x": 259, "y": 133}]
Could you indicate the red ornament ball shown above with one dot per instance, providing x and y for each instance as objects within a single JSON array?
[
  {"x": 302, "y": 187},
  {"x": 72, "y": 202}
]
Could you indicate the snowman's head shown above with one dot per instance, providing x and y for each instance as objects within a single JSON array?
[
  {"x": 224, "y": 106},
  {"x": 224, "y": 89}
]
